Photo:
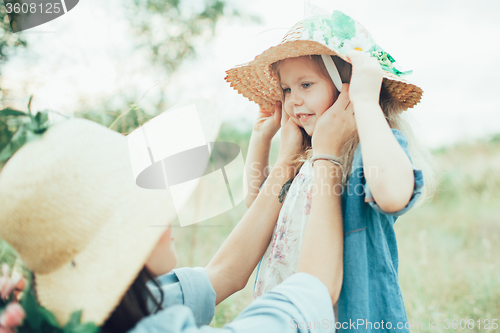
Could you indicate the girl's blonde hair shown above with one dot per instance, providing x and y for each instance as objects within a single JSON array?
[{"x": 396, "y": 118}]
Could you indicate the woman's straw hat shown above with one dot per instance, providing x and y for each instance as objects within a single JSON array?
[
  {"x": 70, "y": 206},
  {"x": 329, "y": 35}
]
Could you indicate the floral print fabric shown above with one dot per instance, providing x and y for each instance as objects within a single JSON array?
[{"x": 282, "y": 255}]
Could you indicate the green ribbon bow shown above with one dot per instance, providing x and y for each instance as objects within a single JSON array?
[{"x": 29, "y": 128}]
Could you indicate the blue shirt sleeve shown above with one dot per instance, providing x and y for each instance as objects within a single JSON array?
[
  {"x": 300, "y": 304},
  {"x": 190, "y": 287},
  {"x": 417, "y": 187}
]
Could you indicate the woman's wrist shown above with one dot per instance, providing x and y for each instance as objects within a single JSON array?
[
  {"x": 284, "y": 166},
  {"x": 260, "y": 137},
  {"x": 327, "y": 169}
]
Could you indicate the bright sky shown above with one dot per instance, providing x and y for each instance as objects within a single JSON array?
[{"x": 451, "y": 46}]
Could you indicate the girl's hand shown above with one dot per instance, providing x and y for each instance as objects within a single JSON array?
[
  {"x": 334, "y": 125},
  {"x": 14, "y": 314},
  {"x": 291, "y": 139},
  {"x": 366, "y": 79},
  {"x": 268, "y": 123}
]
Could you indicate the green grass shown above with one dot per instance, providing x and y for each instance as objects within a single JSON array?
[{"x": 449, "y": 263}]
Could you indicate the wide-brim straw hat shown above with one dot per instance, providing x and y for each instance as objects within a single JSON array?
[
  {"x": 70, "y": 206},
  {"x": 333, "y": 35}
]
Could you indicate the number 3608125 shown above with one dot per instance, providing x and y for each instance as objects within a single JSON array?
[{"x": 25, "y": 8}]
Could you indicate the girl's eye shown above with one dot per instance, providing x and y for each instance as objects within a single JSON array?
[
  {"x": 306, "y": 85},
  {"x": 286, "y": 90}
]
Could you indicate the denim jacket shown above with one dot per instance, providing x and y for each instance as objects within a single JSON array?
[
  {"x": 301, "y": 304},
  {"x": 370, "y": 290},
  {"x": 370, "y": 299}
]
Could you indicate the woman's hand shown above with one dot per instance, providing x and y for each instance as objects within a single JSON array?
[
  {"x": 291, "y": 138},
  {"x": 366, "y": 79},
  {"x": 268, "y": 123},
  {"x": 14, "y": 314},
  {"x": 334, "y": 125}
]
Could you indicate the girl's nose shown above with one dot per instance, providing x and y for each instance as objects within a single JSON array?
[{"x": 295, "y": 99}]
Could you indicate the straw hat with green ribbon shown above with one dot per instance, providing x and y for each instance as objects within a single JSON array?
[
  {"x": 70, "y": 207},
  {"x": 333, "y": 35}
]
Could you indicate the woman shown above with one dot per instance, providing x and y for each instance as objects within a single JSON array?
[{"x": 82, "y": 226}]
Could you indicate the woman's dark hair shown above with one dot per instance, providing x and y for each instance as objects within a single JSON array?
[{"x": 134, "y": 304}]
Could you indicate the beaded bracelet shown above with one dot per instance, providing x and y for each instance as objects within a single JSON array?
[{"x": 332, "y": 158}]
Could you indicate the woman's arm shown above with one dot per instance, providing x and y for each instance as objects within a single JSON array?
[
  {"x": 323, "y": 245},
  {"x": 257, "y": 161},
  {"x": 232, "y": 265},
  {"x": 387, "y": 168},
  {"x": 256, "y": 165}
]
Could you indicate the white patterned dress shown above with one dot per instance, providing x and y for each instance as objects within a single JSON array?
[{"x": 282, "y": 255}]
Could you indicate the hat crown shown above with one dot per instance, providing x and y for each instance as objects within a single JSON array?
[
  {"x": 48, "y": 235},
  {"x": 295, "y": 33},
  {"x": 341, "y": 34},
  {"x": 71, "y": 208}
]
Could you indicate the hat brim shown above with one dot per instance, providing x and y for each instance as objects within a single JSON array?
[{"x": 255, "y": 81}]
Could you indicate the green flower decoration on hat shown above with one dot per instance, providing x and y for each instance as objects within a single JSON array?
[
  {"x": 342, "y": 34},
  {"x": 40, "y": 320},
  {"x": 26, "y": 127}
]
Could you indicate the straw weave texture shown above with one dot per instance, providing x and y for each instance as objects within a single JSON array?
[{"x": 255, "y": 81}]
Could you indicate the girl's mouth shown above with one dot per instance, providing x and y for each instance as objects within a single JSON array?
[{"x": 304, "y": 117}]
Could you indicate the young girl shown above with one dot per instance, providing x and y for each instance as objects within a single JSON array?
[{"x": 302, "y": 77}]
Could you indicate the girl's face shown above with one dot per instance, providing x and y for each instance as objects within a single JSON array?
[
  {"x": 164, "y": 257},
  {"x": 308, "y": 93}
]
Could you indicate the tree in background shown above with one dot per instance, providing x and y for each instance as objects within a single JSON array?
[
  {"x": 9, "y": 41},
  {"x": 168, "y": 32}
]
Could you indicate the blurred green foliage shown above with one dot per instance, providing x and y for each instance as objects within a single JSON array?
[
  {"x": 9, "y": 41},
  {"x": 123, "y": 122},
  {"x": 170, "y": 30},
  {"x": 7, "y": 254},
  {"x": 168, "y": 33}
]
